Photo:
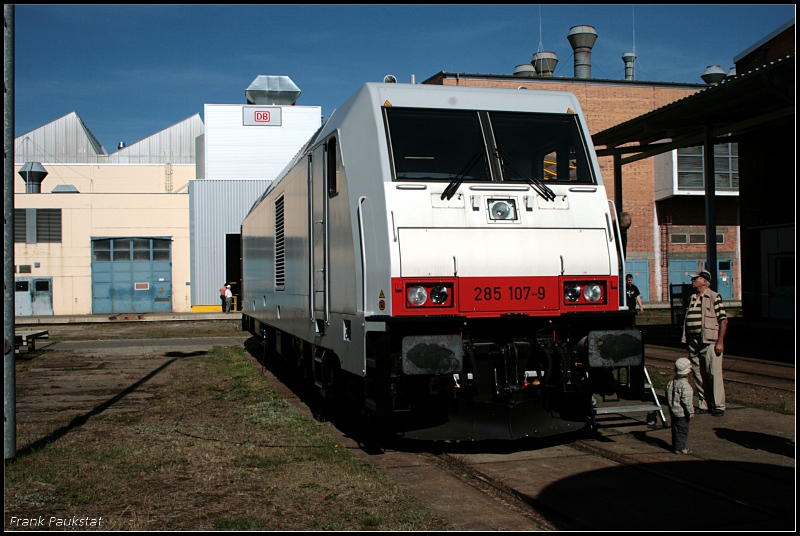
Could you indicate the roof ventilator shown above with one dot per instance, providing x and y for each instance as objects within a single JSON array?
[
  {"x": 582, "y": 39},
  {"x": 272, "y": 90},
  {"x": 713, "y": 75},
  {"x": 629, "y": 58}
]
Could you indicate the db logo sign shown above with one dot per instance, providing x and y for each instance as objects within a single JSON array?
[{"x": 262, "y": 116}]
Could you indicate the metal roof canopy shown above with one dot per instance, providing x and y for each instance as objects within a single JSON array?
[{"x": 736, "y": 106}]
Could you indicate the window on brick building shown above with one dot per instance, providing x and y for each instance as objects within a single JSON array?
[
  {"x": 694, "y": 239},
  {"x": 678, "y": 238},
  {"x": 726, "y": 167},
  {"x": 697, "y": 239}
]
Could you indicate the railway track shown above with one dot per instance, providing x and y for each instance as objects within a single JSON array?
[{"x": 740, "y": 475}]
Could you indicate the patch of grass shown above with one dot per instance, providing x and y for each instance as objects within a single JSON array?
[
  {"x": 260, "y": 461},
  {"x": 153, "y": 429},
  {"x": 660, "y": 378},
  {"x": 371, "y": 520},
  {"x": 214, "y": 438},
  {"x": 784, "y": 406},
  {"x": 234, "y": 523}
]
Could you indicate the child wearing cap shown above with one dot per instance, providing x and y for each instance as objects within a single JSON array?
[{"x": 679, "y": 399}]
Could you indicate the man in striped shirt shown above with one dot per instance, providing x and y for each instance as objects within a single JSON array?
[{"x": 704, "y": 328}]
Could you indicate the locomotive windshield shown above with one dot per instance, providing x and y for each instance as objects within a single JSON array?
[
  {"x": 545, "y": 147},
  {"x": 454, "y": 146},
  {"x": 437, "y": 145}
]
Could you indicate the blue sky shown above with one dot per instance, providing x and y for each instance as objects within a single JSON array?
[{"x": 130, "y": 71}]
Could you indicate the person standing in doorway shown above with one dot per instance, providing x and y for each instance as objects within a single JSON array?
[
  {"x": 222, "y": 291},
  {"x": 704, "y": 328},
  {"x": 228, "y": 298}
]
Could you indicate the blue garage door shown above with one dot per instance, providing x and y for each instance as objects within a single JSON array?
[
  {"x": 131, "y": 275},
  {"x": 680, "y": 270},
  {"x": 724, "y": 278},
  {"x": 641, "y": 277}
]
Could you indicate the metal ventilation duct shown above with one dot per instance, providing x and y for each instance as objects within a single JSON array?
[
  {"x": 544, "y": 63},
  {"x": 713, "y": 75},
  {"x": 268, "y": 89},
  {"x": 65, "y": 189},
  {"x": 33, "y": 173},
  {"x": 582, "y": 39},
  {"x": 524, "y": 70},
  {"x": 629, "y": 58}
]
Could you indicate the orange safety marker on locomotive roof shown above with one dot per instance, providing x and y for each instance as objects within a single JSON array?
[
  {"x": 387, "y": 103},
  {"x": 569, "y": 111}
]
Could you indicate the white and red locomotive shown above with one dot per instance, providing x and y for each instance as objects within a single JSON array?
[{"x": 445, "y": 256}]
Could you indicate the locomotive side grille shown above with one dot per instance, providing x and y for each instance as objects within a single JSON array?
[{"x": 280, "y": 251}]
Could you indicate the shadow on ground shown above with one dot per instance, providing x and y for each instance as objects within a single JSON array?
[
  {"x": 673, "y": 496},
  {"x": 375, "y": 437},
  {"x": 758, "y": 441}
]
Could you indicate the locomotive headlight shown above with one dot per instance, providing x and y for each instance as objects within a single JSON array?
[
  {"x": 439, "y": 295},
  {"x": 417, "y": 296},
  {"x": 502, "y": 209},
  {"x": 593, "y": 292},
  {"x": 572, "y": 292}
]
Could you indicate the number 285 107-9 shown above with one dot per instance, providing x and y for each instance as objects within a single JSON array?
[{"x": 511, "y": 293}]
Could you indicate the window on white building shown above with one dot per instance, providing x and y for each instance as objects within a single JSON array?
[{"x": 726, "y": 167}]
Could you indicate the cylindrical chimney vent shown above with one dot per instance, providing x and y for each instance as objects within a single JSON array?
[
  {"x": 731, "y": 73},
  {"x": 544, "y": 63},
  {"x": 713, "y": 75},
  {"x": 121, "y": 145},
  {"x": 524, "y": 70},
  {"x": 582, "y": 39},
  {"x": 33, "y": 173},
  {"x": 629, "y": 58}
]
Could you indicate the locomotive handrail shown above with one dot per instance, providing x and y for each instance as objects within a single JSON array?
[
  {"x": 363, "y": 255},
  {"x": 583, "y": 189},
  {"x": 621, "y": 254}
]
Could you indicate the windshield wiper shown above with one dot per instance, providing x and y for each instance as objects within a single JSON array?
[
  {"x": 537, "y": 184},
  {"x": 459, "y": 178}
]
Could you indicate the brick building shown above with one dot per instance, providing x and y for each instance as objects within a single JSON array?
[{"x": 666, "y": 241}]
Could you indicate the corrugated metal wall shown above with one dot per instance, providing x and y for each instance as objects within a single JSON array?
[
  {"x": 216, "y": 208},
  {"x": 68, "y": 140},
  {"x": 174, "y": 145}
]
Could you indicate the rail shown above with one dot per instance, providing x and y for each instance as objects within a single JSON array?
[{"x": 622, "y": 271}]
